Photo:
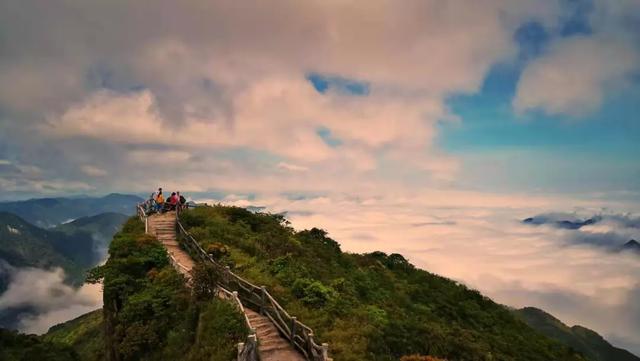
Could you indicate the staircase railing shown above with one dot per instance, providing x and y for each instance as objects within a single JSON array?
[
  {"x": 248, "y": 350},
  {"x": 140, "y": 210},
  {"x": 258, "y": 298}
]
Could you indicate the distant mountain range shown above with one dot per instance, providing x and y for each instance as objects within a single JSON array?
[
  {"x": 70, "y": 233},
  {"x": 51, "y": 212},
  {"x": 25, "y": 245},
  {"x": 582, "y": 339},
  {"x": 566, "y": 224},
  {"x": 75, "y": 247},
  {"x": 631, "y": 246}
]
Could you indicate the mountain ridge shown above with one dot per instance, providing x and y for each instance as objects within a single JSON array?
[
  {"x": 583, "y": 339},
  {"x": 50, "y": 212}
]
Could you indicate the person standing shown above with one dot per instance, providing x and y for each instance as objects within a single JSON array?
[
  {"x": 181, "y": 201},
  {"x": 159, "y": 200}
]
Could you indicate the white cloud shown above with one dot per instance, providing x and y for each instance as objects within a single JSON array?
[
  {"x": 52, "y": 300},
  {"x": 480, "y": 241},
  {"x": 93, "y": 171},
  {"x": 575, "y": 75},
  {"x": 219, "y": 78},
  {"x": 292, "y": 167}
]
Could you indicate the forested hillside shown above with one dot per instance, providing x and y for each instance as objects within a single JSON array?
[
  {"x": 367, "y": 306},
  {"x": 19, "y": 347},
  {"x": 150, "y": 314},
  {"x": 99, "y": 229},
  {"x": 580, "y": 338},
  {"x": 84, "y": 334},
  {"x": 25, "y": 245}
]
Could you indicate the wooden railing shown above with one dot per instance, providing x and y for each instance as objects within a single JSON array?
[
  {"x": 248, "y": 350},
  {"x": 259, "y": 299},
  {"x": 140, "y": 210}
]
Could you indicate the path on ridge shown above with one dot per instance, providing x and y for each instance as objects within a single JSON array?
[{"x": 271, "y": 345}]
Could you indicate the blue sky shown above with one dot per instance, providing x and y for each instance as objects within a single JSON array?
[
  {"x": 590, "y": 146},
  {"x": 598, "y": 152}
]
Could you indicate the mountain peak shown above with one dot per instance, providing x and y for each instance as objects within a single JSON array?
[{"x": 632, "y": 245}]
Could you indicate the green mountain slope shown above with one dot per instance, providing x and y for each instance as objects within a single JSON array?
[
  {"x": 150, "y": 314},
  {"x": 590, "y": 343},
  {"x": 20, "y": 347},
  {"x": 84, "y": 334},
  {"x": 50, "y": 212},
  {"x": 99, "y": 228},
  {"x": 25, "y": 245},
  {"x": 366, "y": 306}
]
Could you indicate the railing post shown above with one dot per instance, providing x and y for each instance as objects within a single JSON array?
[
  {"x": 325, "y": 352},
  {"x": 263, "y": 297},
  {"x": 227, "y": 274},
  {"x": 240, "y": 348},
  {"x": 252, "y": 352},
  {"x": 293, "y": 330},
  {"x": 310, "y": 345},
  {"x": 236, "y": 300}
]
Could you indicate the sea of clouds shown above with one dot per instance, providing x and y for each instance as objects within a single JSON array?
[{"x": 488, "y": 247}]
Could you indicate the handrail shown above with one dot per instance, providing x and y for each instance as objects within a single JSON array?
[
  {"x": 300, "y": 335},
  {"x": 248, "y": 350}
]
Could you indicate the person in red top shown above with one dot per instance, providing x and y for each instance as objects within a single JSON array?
[{"x": 173, "y": 200}]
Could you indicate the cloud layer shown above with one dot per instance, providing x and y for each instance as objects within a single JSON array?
[
  {"x": 50, "y": 300},
  {"x": 486, "y": 246},
  {"x": 215, "y": 77}
]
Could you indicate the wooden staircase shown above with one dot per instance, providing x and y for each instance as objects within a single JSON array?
[
  {"x": 163, "y": 226},
  {"x": 271, "y": 345}
]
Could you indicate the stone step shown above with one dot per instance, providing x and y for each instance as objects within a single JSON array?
[
  {"x": 262, "y": 327},
  {"x": 260, "y": 321},
  {"x": 267, "y": 333},
  {"x": 272, "y": 348},
  {"x": 273, "y": 341}
]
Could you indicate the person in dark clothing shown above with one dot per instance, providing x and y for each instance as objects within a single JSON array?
[{"x": 182, "y": 201}]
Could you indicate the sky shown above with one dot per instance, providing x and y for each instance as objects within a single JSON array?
[{"x": 424, "y": 127}]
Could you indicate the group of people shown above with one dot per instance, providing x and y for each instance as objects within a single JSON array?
[{"x": 158, "y": 203}]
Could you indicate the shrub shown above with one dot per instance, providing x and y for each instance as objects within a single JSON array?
[
  {"x": 217, "y": 250},
  {"x": 420, "y": 358},
  {"x": 313, "y": 293}
]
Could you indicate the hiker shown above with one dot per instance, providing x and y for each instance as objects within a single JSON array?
[
  {"x": 173, "y": 201},
  {"x": 159, "y": 200},
  {"x": 150, "y": 204},
  {"x": 181, "y": 201}
]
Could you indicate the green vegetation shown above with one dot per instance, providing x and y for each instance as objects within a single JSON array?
[
  {"x": 99, "y": 229},
  {"x": 19, "y": 347},
  {"x": 25, "y": 245},
  {"x": 150, "y": 314},
  {"x": 591, "y": 344},
  {"x": 370, "y": 306},
  {"x": 84, "y": 334}
]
